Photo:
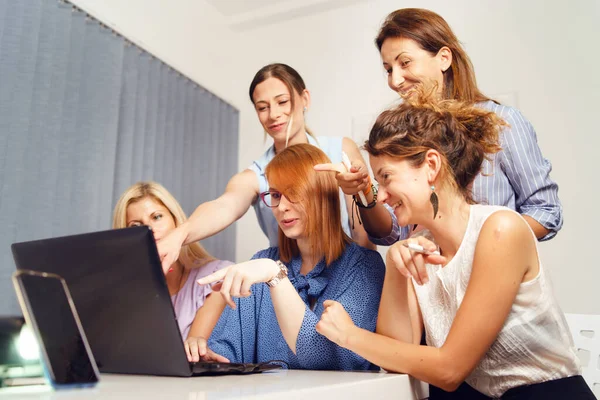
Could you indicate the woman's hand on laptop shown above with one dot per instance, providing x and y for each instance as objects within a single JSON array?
[
  {"x": 197, "y": 349},
  {"x": 237, "y": 279}
]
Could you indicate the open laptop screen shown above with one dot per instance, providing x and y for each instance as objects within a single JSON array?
[{"x": 119, "y": 289}]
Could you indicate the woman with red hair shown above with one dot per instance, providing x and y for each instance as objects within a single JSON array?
[{"x": 277, "y": 298}]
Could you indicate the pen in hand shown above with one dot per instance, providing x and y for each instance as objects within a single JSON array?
[
  {"x": 419, "y": 249},
  {"x": 348, "y": 165}
]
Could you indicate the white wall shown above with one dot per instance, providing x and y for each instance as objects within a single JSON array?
[{"x": 541, "y": 53}]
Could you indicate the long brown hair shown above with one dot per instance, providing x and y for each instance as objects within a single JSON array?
[
  {"x": 287, "y": 75},
  {"x": 291, "y": 172},
  {"x": 462, "y": 133},
  {"x": 431, "y": 32}
]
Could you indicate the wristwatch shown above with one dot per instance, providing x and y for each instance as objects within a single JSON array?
[{"x": 283, "y": 272}]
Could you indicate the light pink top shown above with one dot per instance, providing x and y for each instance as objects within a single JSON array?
[{"x": 191, "y": 296}]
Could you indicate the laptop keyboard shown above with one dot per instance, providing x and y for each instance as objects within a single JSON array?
[{"x": 217, "y": 368}]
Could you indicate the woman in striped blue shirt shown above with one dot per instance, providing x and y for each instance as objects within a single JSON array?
[{"x": 418, "y": 46}]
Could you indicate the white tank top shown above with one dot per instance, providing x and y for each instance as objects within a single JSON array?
[{"x": 533, "y": 346}]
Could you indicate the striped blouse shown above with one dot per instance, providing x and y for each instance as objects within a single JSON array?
[{"x": 518, "y": 177}]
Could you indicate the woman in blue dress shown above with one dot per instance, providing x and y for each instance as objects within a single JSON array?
[{"x": 276, "y": 299}]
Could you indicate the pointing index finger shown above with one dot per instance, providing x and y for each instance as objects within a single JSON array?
[
  {"x": 214, "y": 277},
  {"x": 337, "y": 167}
]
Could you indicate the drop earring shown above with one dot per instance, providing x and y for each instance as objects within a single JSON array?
[
  {"x": 304, "y": 110},
  {"x": 434, "y": 201}
]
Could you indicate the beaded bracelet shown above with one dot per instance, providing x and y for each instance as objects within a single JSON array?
[{"x": 372, "y": 204}]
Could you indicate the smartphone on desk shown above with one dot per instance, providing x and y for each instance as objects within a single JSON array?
[{"x": 50, "y": 312}]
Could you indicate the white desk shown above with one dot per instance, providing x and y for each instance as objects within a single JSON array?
[{"x": 293, "y": 384}]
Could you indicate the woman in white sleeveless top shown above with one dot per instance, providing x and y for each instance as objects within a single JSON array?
[
  {"x": 280, "y": 99},
  {"x": 488, "y": 310}
]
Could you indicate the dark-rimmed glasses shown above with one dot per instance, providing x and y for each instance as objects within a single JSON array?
[{"x": 271, "y": 198}]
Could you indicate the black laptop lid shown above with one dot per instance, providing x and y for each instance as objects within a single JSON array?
[{"x": 120, "y": 293}]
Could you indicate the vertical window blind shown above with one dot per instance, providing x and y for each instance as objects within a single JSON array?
[{"x": 84, "y": 114}]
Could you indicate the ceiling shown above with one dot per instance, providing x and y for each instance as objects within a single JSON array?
[
  {"x": 236, "y": 7},
  {"x": 243, "y": 15}
]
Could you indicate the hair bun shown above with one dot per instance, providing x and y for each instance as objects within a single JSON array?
[{"x": 463, "y": 133}]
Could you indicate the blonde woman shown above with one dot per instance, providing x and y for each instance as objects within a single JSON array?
[{"x": 149, "y": 203}]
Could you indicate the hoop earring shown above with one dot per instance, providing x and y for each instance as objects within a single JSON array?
[{"x": 434, "y": 201}]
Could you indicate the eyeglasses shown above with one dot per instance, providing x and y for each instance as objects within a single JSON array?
[{"x": 272, "y": 198}]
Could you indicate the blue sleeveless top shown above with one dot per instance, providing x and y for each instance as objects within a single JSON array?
[{"x": 332, "y": 146}]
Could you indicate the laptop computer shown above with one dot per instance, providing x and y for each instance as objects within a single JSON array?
[{"x": 119, "y": 289}]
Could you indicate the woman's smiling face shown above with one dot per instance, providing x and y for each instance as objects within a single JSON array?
[
  {"x": 403, "y": 187},
  {"x": 408, "y": 65}
]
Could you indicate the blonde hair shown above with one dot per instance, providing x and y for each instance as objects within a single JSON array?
[{"x": 190, "y": 256}]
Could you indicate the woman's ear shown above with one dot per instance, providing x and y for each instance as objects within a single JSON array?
[
  {"x": 305, "y": 99},
  {"x": 433, "y": 161},
  {"x": 445, "y": 58}
]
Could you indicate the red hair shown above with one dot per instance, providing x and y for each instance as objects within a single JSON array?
[{"x": 292, "y": 173}]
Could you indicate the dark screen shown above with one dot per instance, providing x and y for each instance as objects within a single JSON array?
[
  {"x": 119, "y": 289},
  {"x": 49, "y": 307}
]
